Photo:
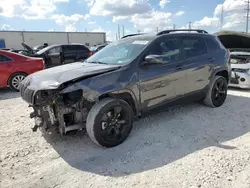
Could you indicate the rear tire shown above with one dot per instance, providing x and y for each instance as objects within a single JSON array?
[
  {"x": 217, "y": 92},
  {"x": 15, "y": 79},
  {"x": 109, "y": 122}
]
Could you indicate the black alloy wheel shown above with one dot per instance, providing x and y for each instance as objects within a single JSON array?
[
  {"x": 219, "y": 92},
  {"x": 109, "y": 122},
  {"x": 114, "y": 124}
]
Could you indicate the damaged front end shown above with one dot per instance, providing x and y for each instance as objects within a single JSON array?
[
  {"x": 240, "y": 64},
  {"x": 56, "y": 110}
]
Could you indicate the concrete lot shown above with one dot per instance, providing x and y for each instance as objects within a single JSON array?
[{"x": 189, "y": 146}]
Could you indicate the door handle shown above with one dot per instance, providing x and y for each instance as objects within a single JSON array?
[
  {"x": 179, "y": 67},
  {"x": 211, "y": 59}
]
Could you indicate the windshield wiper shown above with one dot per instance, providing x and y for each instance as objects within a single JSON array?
[{"x": 96, "y": 62}]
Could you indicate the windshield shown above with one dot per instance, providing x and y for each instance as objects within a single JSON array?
[
  {"x": 119, "y": 52},
  {"x": 93, "y": 48},
  {"x": 39, "y": 47},
  {"x": 43, "y": 50}
]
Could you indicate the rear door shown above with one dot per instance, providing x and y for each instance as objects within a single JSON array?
[
  {"x": 83, "y": 52},
  {"x": 165, "y": 81},
  {"x": 5, "y": 69},
  {"x": 197, "y": 63},
  {"x": 69, "y": 53}
]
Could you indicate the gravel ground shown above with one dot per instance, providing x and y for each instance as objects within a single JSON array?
[{"x": 189, "y": 146}]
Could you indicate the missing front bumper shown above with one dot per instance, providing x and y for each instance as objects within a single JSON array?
[{"x": 60, "y": 118}]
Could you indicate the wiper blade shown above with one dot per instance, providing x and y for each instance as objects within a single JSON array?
[{"x": 97, "y": 62}]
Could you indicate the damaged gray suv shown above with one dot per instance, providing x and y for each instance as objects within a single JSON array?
[{"x": 128, "y": 78}]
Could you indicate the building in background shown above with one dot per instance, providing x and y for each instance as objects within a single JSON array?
[{"x": 13, "y": 39}]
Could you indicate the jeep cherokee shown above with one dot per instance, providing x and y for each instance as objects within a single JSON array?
[{"x": 126, "y": 79}]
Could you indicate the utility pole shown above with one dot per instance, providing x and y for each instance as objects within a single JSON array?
[
  {"x": 189, "y": 25},
  {"x": 116, "y": 36},
  {"x": 248, "y": 9},
  {"x": 173, "y": 26},
  {"x": 118, "y": 32},
  {"x": 123, "y": 30},
  {"x": 222, "y": 16}
]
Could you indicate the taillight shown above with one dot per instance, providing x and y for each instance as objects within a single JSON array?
[
  {"x": 43, "y": 64},
  {"x": 90, "y": 54}
]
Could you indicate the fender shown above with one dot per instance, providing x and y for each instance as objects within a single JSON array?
[
  {"x": 218, "y": 69},
  {"x": 122, "y": 94}
]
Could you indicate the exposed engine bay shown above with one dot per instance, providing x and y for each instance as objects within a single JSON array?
[
  {"x": 240, "y": 64},
  {"x": 65, "y": 112},
  {"x": 61, "y": 97},
  {"x": 239, "y": 46}
]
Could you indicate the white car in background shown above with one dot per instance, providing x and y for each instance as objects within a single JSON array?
[
  {"x": 238, "y": 43},
  {"x": 240, "y": 64}
]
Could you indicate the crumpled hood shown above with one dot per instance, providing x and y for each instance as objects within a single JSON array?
[{"x": 52, "y": 78}]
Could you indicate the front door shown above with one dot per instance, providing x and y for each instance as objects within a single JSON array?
[
  {"x": 54, "y": 56},
  {"x": 163, "y": 81}
]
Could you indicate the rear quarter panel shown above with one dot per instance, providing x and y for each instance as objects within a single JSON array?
[
  {"x": 26, "y": 65},
  {"x": 222, "y": 62}
]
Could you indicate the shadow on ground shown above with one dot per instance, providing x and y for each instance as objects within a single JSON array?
[
  {"x": 159, "y": 139},
  {"x": 239, "y": 89},
  {"x": 6, "y": 93}
]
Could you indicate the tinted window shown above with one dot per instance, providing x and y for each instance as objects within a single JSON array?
[
  {"x": 193, "y": 46},
  {"x": 212, "y": 44},
  {"x": 168, "y": 49},
  {"x": 68, "y": 48},
  {"x": 73, "y": 48},
  {"x": 3, "y": 58},
  {"x": 55, "y": 50},
  {"x": 82, "y": 48}
]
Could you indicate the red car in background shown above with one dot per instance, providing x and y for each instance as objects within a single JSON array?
[{"x": 15, "y": 67}]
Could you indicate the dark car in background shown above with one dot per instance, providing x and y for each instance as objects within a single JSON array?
[
  {"x": 97, "y": 48},
  {"x": 39, "y": 47},
  {"x": 60, "y": 54}
]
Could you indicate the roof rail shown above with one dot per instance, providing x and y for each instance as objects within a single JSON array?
[
  {"x": 130, "y": 35},
  {"x": 174, "y": 30}
]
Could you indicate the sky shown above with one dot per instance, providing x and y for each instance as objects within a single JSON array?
[{"x": 135, "y": 15}]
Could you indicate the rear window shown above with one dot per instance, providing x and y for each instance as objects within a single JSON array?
[
  {"x": 212, "y": 44},
  {"x": 193, "y": 47},
  {"x": 3, "y": 58}
]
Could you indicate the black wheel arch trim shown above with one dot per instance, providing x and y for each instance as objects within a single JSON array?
[
  {"x": 125, "y": 94},
  {"x": 221, "y": 69}
]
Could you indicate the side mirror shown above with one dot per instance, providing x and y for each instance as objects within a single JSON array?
[{"x": 153, "y": 59}]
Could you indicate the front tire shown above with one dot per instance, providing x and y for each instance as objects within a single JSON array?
[
  {"x": 109, "y": 122},
  {"x": 15, "y": 80},
  {"x": 217, "y": 92}
]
